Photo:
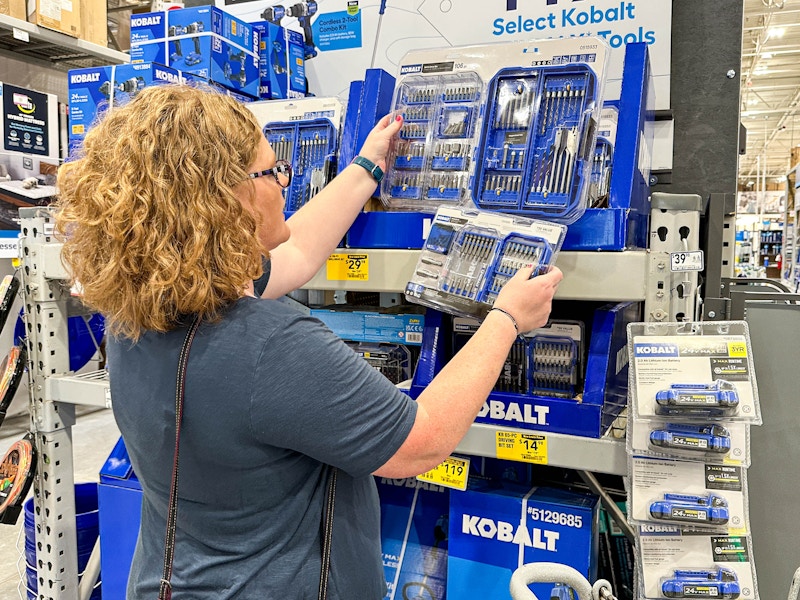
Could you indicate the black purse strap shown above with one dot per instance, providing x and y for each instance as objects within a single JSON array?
[{"x": 165, "y": 588}]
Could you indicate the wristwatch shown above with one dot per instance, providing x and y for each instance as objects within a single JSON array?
[{"x": 374, "y": 170}]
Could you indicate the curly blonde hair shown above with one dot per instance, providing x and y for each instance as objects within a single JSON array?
[{"x": 153, "y": 229}]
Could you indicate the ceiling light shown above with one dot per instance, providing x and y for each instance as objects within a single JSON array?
[
  {"x": 752, "y": 102},
  {"x": 761, "y": 70},
  {"x": 766, "y": 55},
  {"x": 775, "y": 32}
]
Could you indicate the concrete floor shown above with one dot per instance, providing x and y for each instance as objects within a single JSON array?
[{"x": 93, "y": 437}]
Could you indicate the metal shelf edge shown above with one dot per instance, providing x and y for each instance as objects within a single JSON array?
[
  {"x": 604, "y": 455},
  {"x": 88, "y": 389},
  {"x": 610, "y": 276},
  {"x": 62, "y": 40}
]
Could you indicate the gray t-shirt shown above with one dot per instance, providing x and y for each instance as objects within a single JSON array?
[{"x": 271, "y": 397}]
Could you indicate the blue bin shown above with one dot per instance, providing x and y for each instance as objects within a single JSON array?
[
  {"x": 87, "y": 525},
  {"x": 120, "y": 500}
]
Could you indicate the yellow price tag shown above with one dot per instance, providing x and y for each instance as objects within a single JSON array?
[
  {"x": 525, "y": 447},
  {"x": 347, "y": 267},
  {"x": 451, "y": 473},
  {"x": 737, "y": 349}
]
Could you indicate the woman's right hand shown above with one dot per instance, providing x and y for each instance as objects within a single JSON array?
[{"x": 528, "y": 300}]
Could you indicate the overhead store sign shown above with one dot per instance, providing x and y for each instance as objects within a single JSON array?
[{"x": 351, "y": 37}]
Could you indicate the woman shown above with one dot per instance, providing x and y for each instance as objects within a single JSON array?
[{"x": 166, "y": 215}]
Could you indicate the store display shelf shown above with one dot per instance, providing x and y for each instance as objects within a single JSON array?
[
  {"x": 87, "y": 389},
  {"x": 604, "y": 455},
  {"x": 27, "y": 41},
  {"x": 613, "y": 276}
]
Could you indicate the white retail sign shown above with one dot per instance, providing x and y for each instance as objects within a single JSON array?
[{"x": 351, "y": 36}]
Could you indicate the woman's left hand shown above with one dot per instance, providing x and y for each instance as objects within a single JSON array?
[{"x": 379, "y": 140}]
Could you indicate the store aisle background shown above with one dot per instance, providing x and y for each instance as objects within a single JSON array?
[{"x": 93, "y": 437}]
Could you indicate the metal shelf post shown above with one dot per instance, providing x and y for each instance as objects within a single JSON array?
[{"x": 45, "y": 301}]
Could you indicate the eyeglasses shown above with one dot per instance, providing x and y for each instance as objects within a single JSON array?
[{"x": 282, "y": 172}]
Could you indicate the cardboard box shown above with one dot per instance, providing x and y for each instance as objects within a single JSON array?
[
  {"x": 414, "y": 538},
  {"x": 94, "y": 22},
  {"x": 13, "y": 8},
  {"x": 60, "y": 15},
  {"x": 281, "y": 62},
  {"x": 93, "y": 90},
  {"x": 372, "y": 326},
  {"x": 202, "y": 40},
  {"x": 494, "y": 531}
]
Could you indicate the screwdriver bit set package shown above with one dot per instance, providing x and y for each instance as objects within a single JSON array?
[
  {"x": 679, "y": 564},
  {"x": 544, "y": 362},
  {"x": 544, "y": 385},
  {"x": 470, "y": 254},
  {"x": 508, "y": 127},
  {"x": 393, "y": 361},
  {"x": 305, "y": 133}
]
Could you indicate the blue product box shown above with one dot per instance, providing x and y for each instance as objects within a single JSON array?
[
  {"x": 605, "y": 387},
  {"x": 367, "y": 103},
  {"x": 414, "y": 533},
  {"x": 370, "y": 326},
  {"x": 203, "y": 40},
  {"x": 378, "y": 229},
  {"x": 93, "y": 90},
  {"x": 273, "y": 63},
  {"x": 500, "y": 470},
  {"x": 192, "y": 78},
  {"x": 119, "y": 497},
  {"x": 295, "y": 55},
  {"x": 495, "y": 531}
]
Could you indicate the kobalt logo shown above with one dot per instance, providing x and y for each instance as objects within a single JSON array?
[
  {"x": 541, "y": 539},
  {"x": 84, "y": 78},
  {"x": 411, "y": 482},
  {"x": 656, "y": 350},
  {"x": 406, "y": 69},
  {"x": 146, "y": 21},
  {"x": 164, "y": 76},
  {"x": 533, "y": 414},
  {"x": 659, "y": 529}
]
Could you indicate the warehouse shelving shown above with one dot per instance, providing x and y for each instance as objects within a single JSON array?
[{"x": 22, "y": 40}]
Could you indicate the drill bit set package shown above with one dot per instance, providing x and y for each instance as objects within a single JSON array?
[
  {"x": 508, "y": 127},
  {"x": 470, "y": 254},
  {"x": 304, "y": 133}
]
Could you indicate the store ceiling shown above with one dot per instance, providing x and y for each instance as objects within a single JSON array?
[{"x": 770, "y": 92}]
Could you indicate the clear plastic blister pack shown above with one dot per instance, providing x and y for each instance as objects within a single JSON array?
[
  {"x": 710, "y": 442},
  {"x": 693, "y": 372},
  {"x": 310, "y": 147},
  {"x": 429, "y": 166},
  {"x": 504, "y": 127},
  {"x": 677, "y": 564},
  {"x": 692, "y": 495},
  {"x": 537, "y": 141},
  {"x": 470, "y": 254},
  {"x": 544, "y": 362},
  {"x": 305, "y": 133}
]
